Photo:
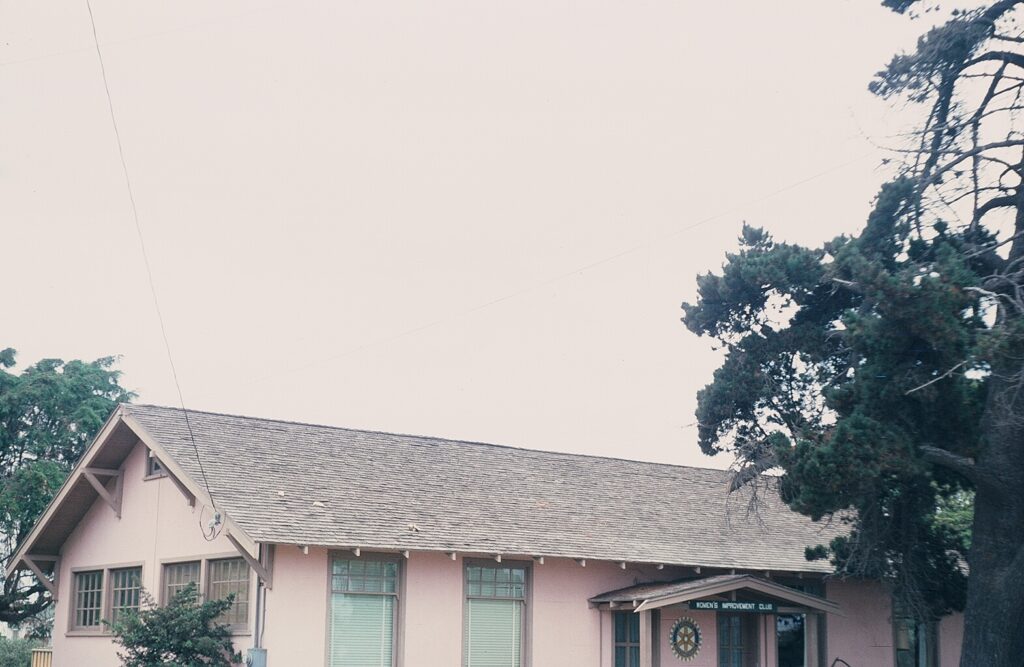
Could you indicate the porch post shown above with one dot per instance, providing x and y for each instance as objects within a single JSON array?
[
  {"x": 606, "y": 633},
  {"x": 646, "y": 639}
]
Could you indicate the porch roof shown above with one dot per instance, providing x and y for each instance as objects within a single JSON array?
[{"x": 655, "y": 595}]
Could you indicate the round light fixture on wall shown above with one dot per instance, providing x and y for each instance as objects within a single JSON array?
[{"x": 685, "y": 638}]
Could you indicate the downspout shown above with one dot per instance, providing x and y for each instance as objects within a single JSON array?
[
  {"x": 257, "y": 656},
  {"x": 257, "y": 631}
]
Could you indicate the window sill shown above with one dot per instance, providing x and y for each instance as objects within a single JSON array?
[
  {"x": 87, "y": 633},
  {"x": 149, "y": 478}
]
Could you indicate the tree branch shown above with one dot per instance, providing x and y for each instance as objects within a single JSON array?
[
  {"x": 994, "y": 203},
  {"x": 936, "y": 379},
  {"x": 961, "y": 464}
]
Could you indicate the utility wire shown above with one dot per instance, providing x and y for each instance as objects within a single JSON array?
[{"x": 142, "y": 246}]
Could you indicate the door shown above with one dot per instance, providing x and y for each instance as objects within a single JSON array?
[{"x": 737, "y": 640}]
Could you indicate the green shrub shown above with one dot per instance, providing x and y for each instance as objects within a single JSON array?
[
  {"x": 16, "y": 652},
  {"x": 185, "y": 633}
]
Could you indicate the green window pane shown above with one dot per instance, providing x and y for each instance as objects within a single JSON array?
[
  {"x": 621, "y": 633},
  {"x": 620, "y": 657},
  {"x": 634, "y": 627},
  {"x": 362, "y": 630},
  {"x": 493, "y": 633}
]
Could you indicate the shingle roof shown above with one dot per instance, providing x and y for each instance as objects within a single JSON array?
[{"x": 388, "y": 491}]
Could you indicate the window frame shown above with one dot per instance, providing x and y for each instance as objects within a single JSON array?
[
  {"x": 73, "y": 625},
  {"x": 751, "y": 636},
  {"x": 398, "y": 621},
  {"x": 236, "y": 630},
  {"x": 526, "y": 622},
  {"x": 109, "y": 593},
  {"x": 626, "y": 644},
  {"x": 154, "y": 467},
  {"x": 164, "y": 598},
  {"x": 106, "y": 598}
]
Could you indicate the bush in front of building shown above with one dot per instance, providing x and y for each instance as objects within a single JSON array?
[
  {"x": 16, "y": 652},
  {"x": 182, "y": 633}
]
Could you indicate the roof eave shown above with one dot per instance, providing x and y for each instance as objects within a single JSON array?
[
  {"x": 51, "y": 508},
  {"x": 749, "y": 582},
  {"x": 121, "y": 415}
]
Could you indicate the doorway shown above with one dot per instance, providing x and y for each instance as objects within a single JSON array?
[{"x": 791, "y": 635}]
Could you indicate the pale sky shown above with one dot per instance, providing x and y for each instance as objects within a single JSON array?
[{"x": 458, "y": 218}]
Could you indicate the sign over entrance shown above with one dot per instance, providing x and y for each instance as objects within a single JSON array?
[{"x": 729, "y": 605}]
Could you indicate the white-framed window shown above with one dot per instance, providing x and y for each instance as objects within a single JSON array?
[
  {"x": 364, "y": 611},
  {"x": 495, "y": 614}
]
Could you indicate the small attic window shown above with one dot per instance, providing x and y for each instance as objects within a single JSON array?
[{"x": 153, "y": 466}]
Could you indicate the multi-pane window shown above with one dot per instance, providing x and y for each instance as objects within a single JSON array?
[
  {"x": 230, "y": 576},
  {"x": 737, "y": 640},
  {"x": 88, "y": 599},
  {"x": 179, "y": 575},
  {"x": 125, "y": 588},
  {"x": 364, "y": 597},
  {"x": 627, "y": 638},
  {"x": 494, "y": 618}
]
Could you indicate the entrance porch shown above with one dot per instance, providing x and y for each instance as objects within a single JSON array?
[{"x": 732, "y": 620}]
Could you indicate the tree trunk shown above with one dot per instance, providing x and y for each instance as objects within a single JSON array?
[{"x": 994, "y": 617}]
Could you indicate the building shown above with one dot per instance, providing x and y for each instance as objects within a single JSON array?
[{"x": 354, "y": 548}]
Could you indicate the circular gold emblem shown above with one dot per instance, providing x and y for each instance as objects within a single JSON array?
[{"x": 685, "y": 638}]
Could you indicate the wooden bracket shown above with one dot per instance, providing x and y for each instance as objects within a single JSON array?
[
  {"x": 112, "y": 499},
  {"x": 49, "y": 582},
  {"x": 263, "y": 570}
]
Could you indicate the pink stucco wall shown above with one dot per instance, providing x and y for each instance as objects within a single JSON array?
[
  {"x": 565, "y": 630},
  {"x": 296, "y": 618},
  {"x": 155, "y": 524},
  {"x": 951, "y": 637},
  {"x": 863, "y": 635},
  {"x": 709, "y": 636}
]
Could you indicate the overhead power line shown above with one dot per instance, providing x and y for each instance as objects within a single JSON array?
[{"x": 142, "y": 246}]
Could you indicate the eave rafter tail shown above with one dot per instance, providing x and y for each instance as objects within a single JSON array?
[{"x": 18, "y": 560}]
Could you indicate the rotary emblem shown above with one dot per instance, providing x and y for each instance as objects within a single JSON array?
[{"x": 685, "y": 638}]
